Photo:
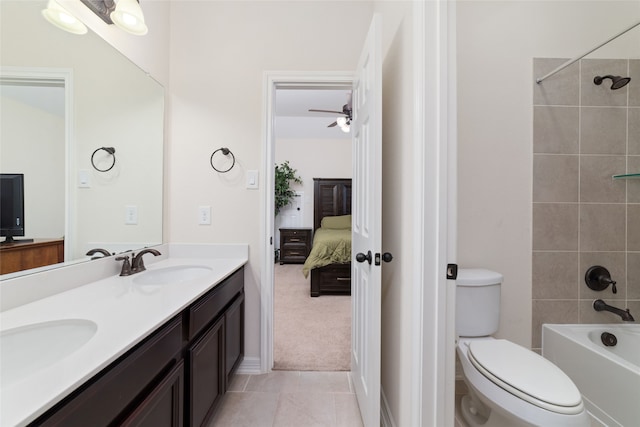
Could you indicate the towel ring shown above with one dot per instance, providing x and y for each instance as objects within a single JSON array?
[
  {"x": 226, "y": 152},
  {"x": 109, "y": 150}
]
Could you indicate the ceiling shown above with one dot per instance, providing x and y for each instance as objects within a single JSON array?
[
  {"x": 49, "y": 98},
  {"x": 294, "y": 120}
]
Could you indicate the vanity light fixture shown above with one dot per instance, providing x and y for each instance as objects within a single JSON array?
[
  {"x": 128, "y": 16},
  {"x": 125, "y": 14},
  {"x": 61, "y": 18}
]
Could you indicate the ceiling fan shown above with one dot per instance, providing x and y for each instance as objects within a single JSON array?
[{"x": 343, "y": 122}]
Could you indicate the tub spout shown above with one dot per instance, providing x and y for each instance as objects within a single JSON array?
[{"x": 599, "y": 305}]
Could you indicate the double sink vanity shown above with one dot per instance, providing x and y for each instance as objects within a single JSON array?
[{"x": 155, "y": 348}]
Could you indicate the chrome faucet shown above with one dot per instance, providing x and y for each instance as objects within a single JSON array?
[
  {"x": 599, "y": 305},
  {"x": 137, "y": 264},
  {"x": 98, "y": 251}
]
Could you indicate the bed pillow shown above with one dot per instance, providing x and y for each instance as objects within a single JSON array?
[{"x": 336, "y": 222}]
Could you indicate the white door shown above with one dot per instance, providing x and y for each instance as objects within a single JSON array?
[{"x": 366, "y": 221}]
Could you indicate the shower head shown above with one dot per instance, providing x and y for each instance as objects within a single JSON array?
[{"x": 617, "y": 82}]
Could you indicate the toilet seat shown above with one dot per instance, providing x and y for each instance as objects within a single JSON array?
[{"x": 526, "y": 375}]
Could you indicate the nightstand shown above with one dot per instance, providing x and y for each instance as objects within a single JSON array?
[{"x": 295, "y": 245}]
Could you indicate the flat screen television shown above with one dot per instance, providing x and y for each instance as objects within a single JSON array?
[{"x": 12, "y": 207}]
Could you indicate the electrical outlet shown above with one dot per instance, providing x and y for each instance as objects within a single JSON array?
[
  {"x": 204, "y": 215},
  {"x": 131, "y": 215}
]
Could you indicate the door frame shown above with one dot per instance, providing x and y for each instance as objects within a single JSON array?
[
  {"x": 435, "y": 148},
  {"x": 272, "y": 81}
]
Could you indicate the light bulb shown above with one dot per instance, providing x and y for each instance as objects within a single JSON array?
[
  {"x": 341, "y": 121},
  {"x": 58, "y": 16},
  {"x": 129, "y": 17}
]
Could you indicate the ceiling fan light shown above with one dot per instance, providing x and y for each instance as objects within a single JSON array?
[
  {"x": 345, "y": 128},
  {"x": 58, "y": 16},
  {"x": 128, "y": 16},
  {"x": 341, "y": 121}
]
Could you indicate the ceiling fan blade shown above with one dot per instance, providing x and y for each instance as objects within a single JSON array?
[
  {"x": 333, "y": 124},
  {"x": 326, "y": 111}
]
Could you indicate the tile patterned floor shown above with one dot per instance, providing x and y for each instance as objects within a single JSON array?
[{"x": 289, "y": 398}]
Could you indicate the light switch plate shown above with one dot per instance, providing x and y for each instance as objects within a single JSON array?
[
  {"x": 204, "y": 215},
  {"x": 252, "y": 179},
  {"x": 84, "y": 178},
  {"x": 130, "y": 215}
]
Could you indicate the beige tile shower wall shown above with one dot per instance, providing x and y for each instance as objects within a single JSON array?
[{"x": 582, "y": 135}]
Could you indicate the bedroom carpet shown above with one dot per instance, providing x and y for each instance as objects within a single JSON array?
[{"x": 310, "y": 334}]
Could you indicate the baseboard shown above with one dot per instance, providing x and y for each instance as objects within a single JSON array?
[
  {"x": 249, "y": 366},
  {"x": 386, "y": 419}
]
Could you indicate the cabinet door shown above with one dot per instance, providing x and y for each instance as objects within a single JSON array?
[
  {"x": 234, "y": 337},
  {"x": 163, "y": 406},
  {"x": 206, "y": 374}
]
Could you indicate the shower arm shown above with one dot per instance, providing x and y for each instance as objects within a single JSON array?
[{"x": 571, "y": 61}]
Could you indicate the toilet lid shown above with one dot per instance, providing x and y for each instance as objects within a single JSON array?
[{"x": 525, "y": 374}]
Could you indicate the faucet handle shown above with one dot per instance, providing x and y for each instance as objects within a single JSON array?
[
  {"x": 126, "y": 265},
  {"x": 598, "y": 278}
]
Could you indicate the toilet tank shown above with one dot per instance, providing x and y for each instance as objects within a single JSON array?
[{"x": 477, "y": 302}]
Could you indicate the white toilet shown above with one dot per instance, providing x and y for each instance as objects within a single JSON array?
[{"x": 509, "y": 385}]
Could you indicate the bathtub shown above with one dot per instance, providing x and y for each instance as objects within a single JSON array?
[{"x": 608, "y": 377}]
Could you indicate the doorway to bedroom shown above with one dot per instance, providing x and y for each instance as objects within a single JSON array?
[{"x": 310, "y": 333}]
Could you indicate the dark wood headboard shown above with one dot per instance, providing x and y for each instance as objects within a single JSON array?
[{"x": 331, "y": 197}]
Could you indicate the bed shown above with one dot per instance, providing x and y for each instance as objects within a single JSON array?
[{"x": 329, "y": 262}]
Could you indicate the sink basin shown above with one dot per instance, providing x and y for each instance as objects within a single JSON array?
[
  {"x": 27, "y": 349},
  {"x": 172, "y": 275}
]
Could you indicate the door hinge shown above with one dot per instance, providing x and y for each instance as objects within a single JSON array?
[{"x": 452, "y": 271}]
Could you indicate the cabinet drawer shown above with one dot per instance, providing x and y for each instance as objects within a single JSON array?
[
  {"x": 104, "y": 399},
  {"x": 331, "y": 279},
  {"x": 296, "y": 253},
  {"x": 210, "y": 306},
  {"x": 294, "y": 236}
]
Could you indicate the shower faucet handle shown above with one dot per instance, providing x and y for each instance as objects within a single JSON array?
[{"x": 598, "y": 278}]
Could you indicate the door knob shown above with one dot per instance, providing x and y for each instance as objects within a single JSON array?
[
  {"x": 387, "y": 257},
  {"x": 360, "y": 257}
]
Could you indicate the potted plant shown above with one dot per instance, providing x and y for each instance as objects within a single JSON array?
[{"x": 284, "y": 176}]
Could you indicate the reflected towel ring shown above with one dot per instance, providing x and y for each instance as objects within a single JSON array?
[
  {"x": 109, "y": 150},
  {"x": 226, "y": 152}
]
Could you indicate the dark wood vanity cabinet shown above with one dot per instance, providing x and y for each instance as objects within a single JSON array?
[{"x": 175, "y": 377}]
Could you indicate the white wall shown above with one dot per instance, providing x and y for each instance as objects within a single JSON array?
[
  {"x": 314, "y": 158},
  {"x": 496, "y": 43},
  {"x": 32, "y": 143},
  {"x": 219, "y": 53},
  {"x": 150, "y": 51}
]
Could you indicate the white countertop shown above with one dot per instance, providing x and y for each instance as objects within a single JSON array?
[{"x": 124, "y": 312}]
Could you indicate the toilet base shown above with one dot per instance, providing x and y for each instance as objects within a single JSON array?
[{"x": 476, "y": 414}]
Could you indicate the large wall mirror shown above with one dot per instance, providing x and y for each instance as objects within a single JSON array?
[{"x": 63, "y": 98}]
